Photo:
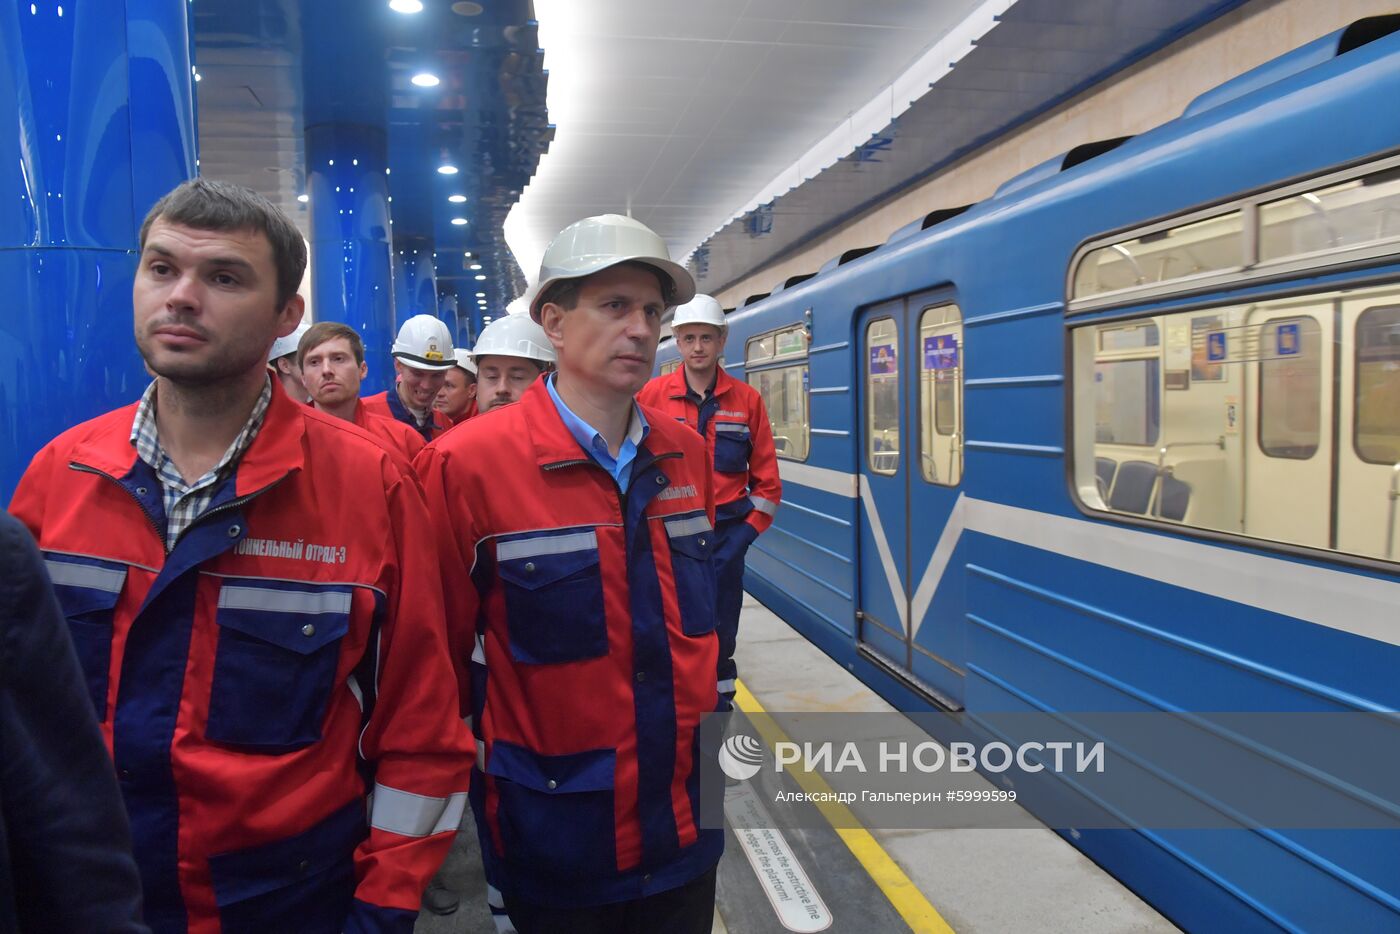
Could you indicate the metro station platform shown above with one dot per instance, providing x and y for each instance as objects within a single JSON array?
[{"x": 818, "y": 878}]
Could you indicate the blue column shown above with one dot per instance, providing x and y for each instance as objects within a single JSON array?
[
  {"x": 350, "y": 237},
  {"x": 83, "y": 86},
  {"x": 447, "y": 311},
  {"x": 415, "y": 278}
]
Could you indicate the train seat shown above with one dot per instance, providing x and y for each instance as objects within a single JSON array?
[
  {"x": 1173, "y": 496},
  {"x": 1132, "y": 488}
]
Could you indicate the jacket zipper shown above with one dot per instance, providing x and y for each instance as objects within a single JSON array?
[{"x": 168, "y": 546}]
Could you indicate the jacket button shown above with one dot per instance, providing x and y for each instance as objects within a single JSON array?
[
  {"x": 646, "y": 878},
  {"x": 308, "y": 630},
  {"x": 641, "y": 676},
  {"x": 124, "y": 775},
  {"x": 140, "y": 491},
  {"x": 551, "y": 784},
  {"x": 233, "y": 530},
  {"x": 529, "y": 567},
  {"x": 303, "y": 865},
  {"x": 702, "y": 543},
  {"x": 660, "y": 481}
]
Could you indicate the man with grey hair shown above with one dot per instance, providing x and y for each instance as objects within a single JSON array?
[{"x": 257, "y": 654}]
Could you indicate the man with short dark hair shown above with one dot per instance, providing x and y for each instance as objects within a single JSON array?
[
  {"x": 255, "y": 650},
  {"x": 331, "y": 356},
  {"x": 457, "y": 397},
  {"x": 578, "y": 579}
]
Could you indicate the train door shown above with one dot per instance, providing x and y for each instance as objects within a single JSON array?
[
  {"x": 911, "y": 602},
  {"x": 1288, "y": 454},
  {"x": 1368, "y": 455}
]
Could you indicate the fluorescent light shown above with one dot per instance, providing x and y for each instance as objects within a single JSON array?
[
  {"x": 406, "y": 6},
  {"x": 480, "y": 278},
  {"x": 480, "y": 294},
  {"x": 303, "y": 198},
  {"x": 459, "y": 221},
  {"x": 474, "y": 266},
  {"x": 425, "y": 79},
  {"x": 457, "y": 199},
  {"x": 447, "y": 170}
]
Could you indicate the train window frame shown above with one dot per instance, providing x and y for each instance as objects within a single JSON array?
[
  {"x": 869, "y": 402},
  {"x": 1356, "y": 397},
  {"x": 762, "y": 358},
  {"x": 1254, "y": 269}
]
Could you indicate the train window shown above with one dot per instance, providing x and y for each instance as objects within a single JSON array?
[
  {"x": 1348, "y": 214},
  {"x": 1377, "y": 424},
  {"x": 882, "y": 395},
  {"x": 1191, "y": 249},
  {"x": 1236, "y": 420},
  {"x": 783, "y": 386},
  {"x": 784, "y": 392},
  {"x": 940, "y": 394},
  {"x": 669, "y": 368},
  {"x": 1290, "y": 387}
]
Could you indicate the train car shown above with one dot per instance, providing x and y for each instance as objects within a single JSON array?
[{"x": 1125, "y": 436}]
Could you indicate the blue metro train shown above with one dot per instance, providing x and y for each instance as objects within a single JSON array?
[{"x": 1123, "y": 437}]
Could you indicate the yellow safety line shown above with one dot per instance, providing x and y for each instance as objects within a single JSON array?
[{"x": 903, "y": 894}]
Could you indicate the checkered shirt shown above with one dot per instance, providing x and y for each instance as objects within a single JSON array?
[{"x": 186, "y": 502}]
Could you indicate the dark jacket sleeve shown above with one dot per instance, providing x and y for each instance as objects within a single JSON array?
[{"x": 65, "y": 845}]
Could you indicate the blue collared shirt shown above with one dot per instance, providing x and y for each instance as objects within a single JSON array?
[{"x": 592, "y": 442}]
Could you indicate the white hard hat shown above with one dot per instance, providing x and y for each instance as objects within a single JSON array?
[
  {"x": 596, "y": 243},
  {"x": 424, "y": 343},
  {"x": 702, "y": 309},
  {"x": 285, "y": 345},
  {"x": 464, "y": 360},
  {"x": 514, "y": 336}
]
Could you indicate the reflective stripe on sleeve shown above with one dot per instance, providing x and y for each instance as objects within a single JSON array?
[
  {"x": 64, "y": 574},
  {"x": 731, "y": 426},
  {"x": 678, "y": 528},
  {"x": 353, "y": 684},
  {"x": 726, "y": 686},
  {"x": 765, "y": 506},
  {"x": 547, "y": 545},
  {"x": 410, "y": 815},
  {"x": 479, "y": 651},
  {"x": 312, "y": 602}
]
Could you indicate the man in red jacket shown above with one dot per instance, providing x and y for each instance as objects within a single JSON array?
[
  {"x": 422, "y": 356},
  {"x": 255, "y": 607},
  {"x": 730, "y": 416},
  {"x": 331, "y": 357},
  {"x": 576, "y": 562}
]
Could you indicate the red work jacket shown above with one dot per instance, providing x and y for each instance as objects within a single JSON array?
[
  {"x": 388, "y": 405},
  {"x": 256, "y": 682},
  {"x": 407, "y": 441},
  {"x": 734, "y": 424},
  {"x": 589, "y": 617}
]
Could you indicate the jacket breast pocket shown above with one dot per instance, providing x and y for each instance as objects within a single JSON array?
[
  {"x": 732, "y": 446},
  {"x": 692, "y": 565},
  {"x": 88, "y": 590},
  {"x": 556, "y": 812},
  {"x": 279, "y": 646},
  {"x": 554, "y": 597}
]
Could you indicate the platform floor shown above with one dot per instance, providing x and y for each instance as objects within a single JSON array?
[{"x": 969, "y": 881}]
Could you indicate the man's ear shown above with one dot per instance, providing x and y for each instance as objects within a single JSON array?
[
  {"x": 552, "y": 321},
  {"x": 364, "y": 369},
  {"x": 290, "y": 316}
]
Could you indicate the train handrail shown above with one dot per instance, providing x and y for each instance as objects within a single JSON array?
[{"x": 1390, "y": 525}]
